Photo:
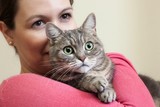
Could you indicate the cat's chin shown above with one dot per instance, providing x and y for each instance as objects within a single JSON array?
[{"x": 83, "y": 69}]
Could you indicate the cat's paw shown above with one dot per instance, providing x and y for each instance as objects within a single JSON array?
[
  {"x": 98, "y": 85},
  {"x": 107, "y": 96}
]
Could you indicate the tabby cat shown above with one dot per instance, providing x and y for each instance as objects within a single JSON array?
[
  {"x": 78, "y": 59},
  {"x": 153, "y": 87}
]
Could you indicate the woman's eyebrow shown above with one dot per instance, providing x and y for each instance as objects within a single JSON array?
[
  {"x": 42, "y": 16},
  {"x": 69, "y": 8},
  {"x": 35, "y": 16}
]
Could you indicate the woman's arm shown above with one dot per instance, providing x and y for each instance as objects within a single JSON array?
[
  {"x": 30, "y": 90},
  {"x": 130, "y": 90}
]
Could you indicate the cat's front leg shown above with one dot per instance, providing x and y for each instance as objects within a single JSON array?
[
  {"x": 108, "y": 95},
  {"x": 99, "y": 85},
  {"x": 94, "y": 84}
]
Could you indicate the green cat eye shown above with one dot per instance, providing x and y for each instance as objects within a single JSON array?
[
  {"x": 68, "y": 50},
  {"x": 89, "y": 46}
]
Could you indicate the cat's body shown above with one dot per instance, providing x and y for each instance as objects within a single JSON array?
[
  {"x": 153, "y": 87},
  {"x": 78, "y": 59}
]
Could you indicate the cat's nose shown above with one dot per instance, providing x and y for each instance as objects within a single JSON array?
[{"x": 82, "y": 58}]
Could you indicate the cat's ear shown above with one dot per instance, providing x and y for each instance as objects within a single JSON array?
[
  {"x": 90, "y": 22},
  {"x": 52, "y": 31}
]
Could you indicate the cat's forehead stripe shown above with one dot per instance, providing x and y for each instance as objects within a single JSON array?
[
  {"x": 70, "y": 37},
  {"x": 74, "y": 37}
]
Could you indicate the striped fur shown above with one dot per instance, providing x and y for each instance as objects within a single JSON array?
[{"x": 78, "y": 59}]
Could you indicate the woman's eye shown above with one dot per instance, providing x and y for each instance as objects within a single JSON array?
[
  {"x": 89, "y": 46},
  {"x": 68, "y": 50},
  {"x": 38, "y": 24},
  {"x": 65, "y": 17}
]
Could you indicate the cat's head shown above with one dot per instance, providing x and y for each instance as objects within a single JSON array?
[{"x": 77, "y": 50}]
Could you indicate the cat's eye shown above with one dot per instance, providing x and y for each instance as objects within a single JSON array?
[
  {"x": 89, "y": 46},
  {"x": 68, "y": 50}
]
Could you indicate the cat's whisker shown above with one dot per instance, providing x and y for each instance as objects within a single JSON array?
[
  {"x": 66, "y": 70},
  {"x": 61, "y": 77},
  {"x": 54, "y": 74},
  {"x": 50, "y": 63},
  {"x": 74, "y": 68},
  {"x": 55, "y": 69}
]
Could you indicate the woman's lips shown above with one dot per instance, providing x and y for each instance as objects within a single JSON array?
[{"x": 47, "y": 52}]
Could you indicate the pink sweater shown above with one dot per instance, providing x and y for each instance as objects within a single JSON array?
[{"x": 31, "y": 90}]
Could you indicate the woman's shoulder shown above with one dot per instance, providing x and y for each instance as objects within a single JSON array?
[
  {"x": 114, "y": 55},
  {"x": 120, "y": 60}
]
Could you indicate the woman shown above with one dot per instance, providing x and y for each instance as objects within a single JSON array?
[{"x": 22, "y": 23}]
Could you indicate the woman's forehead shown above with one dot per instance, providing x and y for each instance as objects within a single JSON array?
[
  {"x": 29, "y": 7},
  {"x": 36, "y": 3}
]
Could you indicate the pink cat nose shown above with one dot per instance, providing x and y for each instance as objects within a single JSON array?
[{"x": 82, "y": 58}]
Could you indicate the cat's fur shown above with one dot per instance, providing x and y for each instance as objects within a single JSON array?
[
  {"x": 78, "y": 59},
  {"x": 153, "y": 87}
]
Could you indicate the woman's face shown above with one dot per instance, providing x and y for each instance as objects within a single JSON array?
[{"x": 29, "y": 35}]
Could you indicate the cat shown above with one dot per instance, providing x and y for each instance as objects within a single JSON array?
[
  {"x": 78, "y": 59},
  {"x": 153, "y": 87}
]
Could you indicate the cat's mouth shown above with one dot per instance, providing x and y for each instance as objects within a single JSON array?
[
  {"x": 84, "y": 68},
  {"x": 84, "y": 65}
]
